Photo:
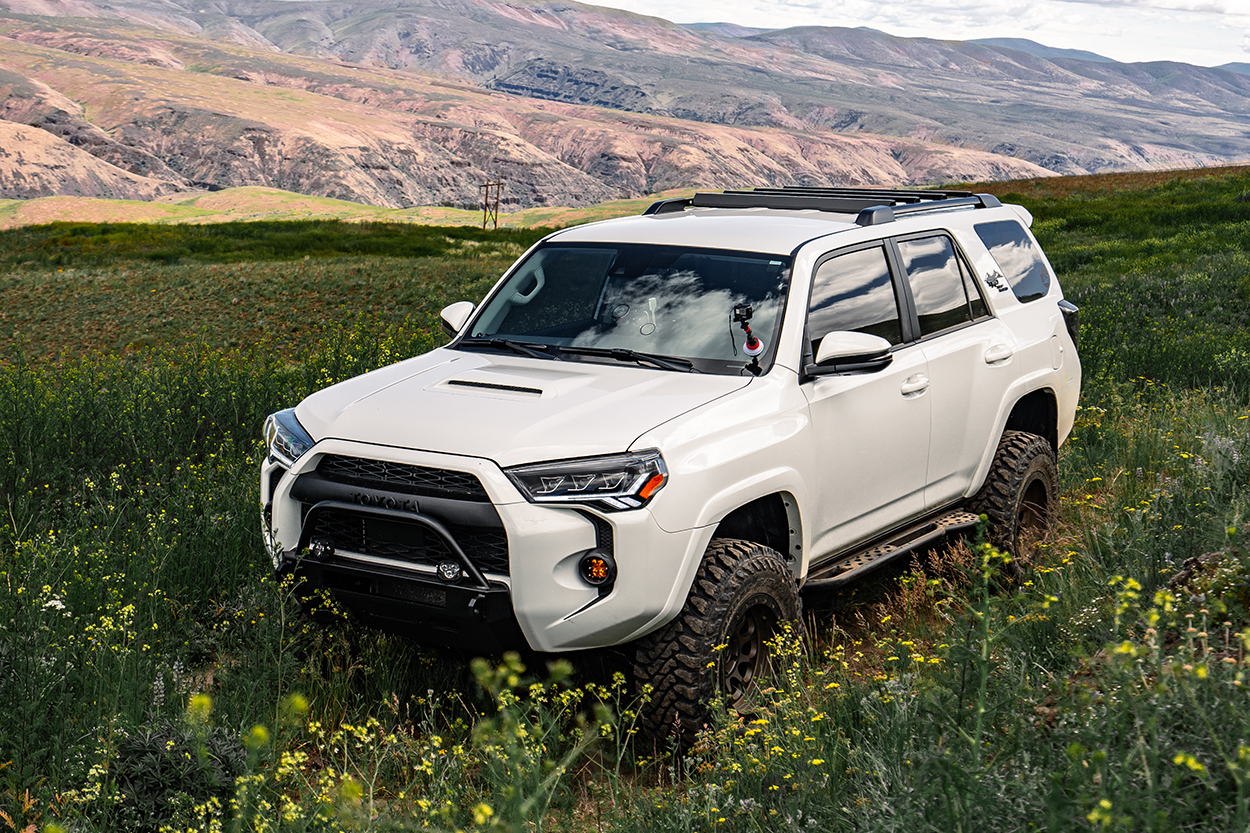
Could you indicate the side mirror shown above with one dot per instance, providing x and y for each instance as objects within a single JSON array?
[
  {"x": 845, "y": 352},
  {"x": 454, "y": 316}
]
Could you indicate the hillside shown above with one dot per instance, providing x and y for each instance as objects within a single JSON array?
[
  {"x": 203, "y": 115},
  {"x": 34, "y": 162},
  {"x": 254, "y": 203},
  {"x": 400, "y": 103}
]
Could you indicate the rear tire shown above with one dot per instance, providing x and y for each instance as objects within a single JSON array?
[
  {"x": 741, "y": 595},
  {"x": 1020, "y": 493}
]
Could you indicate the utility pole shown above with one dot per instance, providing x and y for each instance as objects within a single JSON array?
[{"x": 491, "y": 210}]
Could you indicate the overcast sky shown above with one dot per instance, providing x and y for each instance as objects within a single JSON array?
[{"x": 1202, "y": 32}]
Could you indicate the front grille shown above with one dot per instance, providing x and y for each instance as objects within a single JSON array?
[
  {"x": 401, "y": 477},
  {"x": 414, "y": 542}
]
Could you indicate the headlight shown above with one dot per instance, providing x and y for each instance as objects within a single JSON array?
[
  {"x": 286, "y": 438},
  {"x": 613, "y": 483}
]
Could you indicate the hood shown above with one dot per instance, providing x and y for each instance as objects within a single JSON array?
[{"x": 512, "y": 410}]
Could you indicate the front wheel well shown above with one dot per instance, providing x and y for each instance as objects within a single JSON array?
[{"x": 771, "y": 521}]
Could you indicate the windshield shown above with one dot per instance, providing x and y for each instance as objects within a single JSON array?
[{"x": 663, "y": 300}]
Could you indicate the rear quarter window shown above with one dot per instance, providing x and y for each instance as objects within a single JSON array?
[{"x": 1017, "y": 256}]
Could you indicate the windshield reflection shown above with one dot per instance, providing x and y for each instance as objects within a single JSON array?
[{"x": 665, "y": 300}]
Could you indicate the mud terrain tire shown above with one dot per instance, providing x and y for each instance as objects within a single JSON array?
[
  {"x": 741, "y": 595},
  {"x": 1020, "y": 493}
]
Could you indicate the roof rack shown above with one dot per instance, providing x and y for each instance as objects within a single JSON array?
[{"x": 872, "y": 206}]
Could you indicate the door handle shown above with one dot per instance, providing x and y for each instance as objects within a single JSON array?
[
  {"x": 998, "y": 353},
  {"x": 916, "y": 383}
]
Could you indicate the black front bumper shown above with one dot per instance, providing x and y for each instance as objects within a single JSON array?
[
  {"x": 427, "y": 610},
  {"x": 471, "y": 612}
]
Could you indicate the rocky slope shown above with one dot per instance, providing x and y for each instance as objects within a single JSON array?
[
  {"x": 1063, "y": 113},
  {"x": 35, "y": 163}
]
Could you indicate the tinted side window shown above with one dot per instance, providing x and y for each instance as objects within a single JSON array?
[
  {"x": 1016, "y": 255},
  {"x": 937, "y": 284},
  {"x": 854, "y": 292}
]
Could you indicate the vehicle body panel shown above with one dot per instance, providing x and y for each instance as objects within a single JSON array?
[
  {"x": 457, "y": 402},
  {"x": 870, "y": 450}
]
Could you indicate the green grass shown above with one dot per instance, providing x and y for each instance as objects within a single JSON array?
[
  {"x": 1162, "y": 277},
  {"x": 130, "y": 288},
  {"x": 88, "y": 245},
  {"x": 287, "y": 307},
  {"x": 251, "y": 203},
  {"x": 154, "y": 673}
]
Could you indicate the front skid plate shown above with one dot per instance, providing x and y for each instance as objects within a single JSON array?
[{"x": 424, "y": 609}]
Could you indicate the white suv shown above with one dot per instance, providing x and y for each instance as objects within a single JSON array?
[{"x": 655, "y": 430}]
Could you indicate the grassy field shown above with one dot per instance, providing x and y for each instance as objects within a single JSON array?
[
  {"x": 156, "y": 677},
  {"x": 252, "y": 203},
  {"x": 122, "y": 289}
]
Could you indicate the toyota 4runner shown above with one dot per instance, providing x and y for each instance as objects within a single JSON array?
[{"x": 655, "y": 431}]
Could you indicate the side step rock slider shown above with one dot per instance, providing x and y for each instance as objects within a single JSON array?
[{"x": 848, "y": 568}]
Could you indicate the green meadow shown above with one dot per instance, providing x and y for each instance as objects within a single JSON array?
[{"x": 155, "y": 675}]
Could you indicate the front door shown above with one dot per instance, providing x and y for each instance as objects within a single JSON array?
[{"x": 871, "y": 430}]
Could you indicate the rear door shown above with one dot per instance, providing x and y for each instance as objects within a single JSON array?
[{"x": 969, "y": 357}]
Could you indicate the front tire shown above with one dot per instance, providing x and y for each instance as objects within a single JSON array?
[
  {"x": 1020, "y": 493},
  {"x": 741, "y": 595}
]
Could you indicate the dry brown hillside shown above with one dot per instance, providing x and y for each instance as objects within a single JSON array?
[
  {"x": 197, "y": 114},
  {"x": 34, "y": 163}
]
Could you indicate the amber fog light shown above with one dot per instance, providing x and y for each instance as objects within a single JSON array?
[{"x": 597, "y": 568}]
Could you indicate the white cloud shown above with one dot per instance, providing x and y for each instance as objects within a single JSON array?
[
  {"x": 1203, "y": 32},
  {"x": 1206, "y": 6}
]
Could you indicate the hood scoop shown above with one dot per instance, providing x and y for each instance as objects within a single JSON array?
[{"x": 492, "y": 387}]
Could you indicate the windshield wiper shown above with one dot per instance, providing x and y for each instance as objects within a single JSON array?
[
  {"x": 622, "y": 354},
  {"x": 523, "y": 347}
]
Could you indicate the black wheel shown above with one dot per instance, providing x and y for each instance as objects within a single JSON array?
[
  {"x": 741, "y": 595},
  {"x": 1020, "y": 493}
]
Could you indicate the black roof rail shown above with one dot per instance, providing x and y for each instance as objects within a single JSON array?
[
  {"x": 889, "y": 213},
  {"x": 879, "y": 195},
  {"x": 792, "y": 200},
  {"x": 872, "y": 206},
  {"x": 665, "y": 206}
]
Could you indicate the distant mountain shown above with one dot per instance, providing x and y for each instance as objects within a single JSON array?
[
  {"x": 1041, "y": 50},
  {"x": 731, "y": 30},
  {"x": 409, "y": 102},
  {"x": 1244, "y": 69},
  {"x": 171, "y": 111}
]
